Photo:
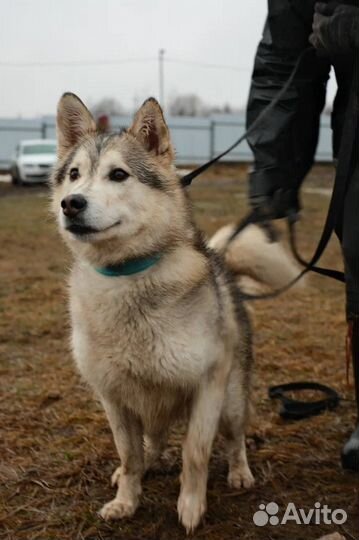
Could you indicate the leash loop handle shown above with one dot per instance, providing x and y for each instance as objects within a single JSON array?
[{"x": 293, "y": 409}]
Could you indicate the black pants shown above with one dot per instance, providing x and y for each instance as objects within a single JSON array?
[{"x": 348, "y": 233}]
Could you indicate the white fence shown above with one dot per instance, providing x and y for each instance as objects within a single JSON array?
[{"x": 196, "y": 139}]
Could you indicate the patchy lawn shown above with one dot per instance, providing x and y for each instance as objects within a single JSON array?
[{"x": 57, "y": 452}]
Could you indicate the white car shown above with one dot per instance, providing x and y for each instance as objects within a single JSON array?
[{"x": 33, "y": 161}]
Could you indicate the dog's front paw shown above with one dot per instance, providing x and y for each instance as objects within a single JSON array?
[
  {"x": 115, "y": 478},
  {"x": 190, "y": 509},
  {"x": 117, "y": 509},
  {"x": 241, "y": 477}
]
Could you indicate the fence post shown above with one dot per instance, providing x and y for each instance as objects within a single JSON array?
[
  {"x": 43, "y": 130},
  {"x": 212, "y": 139}
]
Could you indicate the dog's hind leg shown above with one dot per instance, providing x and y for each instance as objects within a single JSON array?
[
  {"x": 233, "y": 425},
  {"x": 128, "y": 435},
  {"x": 154, "y": 445},
  {"x": 202, "y": 428}
]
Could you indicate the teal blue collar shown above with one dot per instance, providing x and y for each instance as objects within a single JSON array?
[{"x": 129, "y": 268}]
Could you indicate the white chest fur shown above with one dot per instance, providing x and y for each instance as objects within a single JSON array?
[{"x": 123, "y": 342}]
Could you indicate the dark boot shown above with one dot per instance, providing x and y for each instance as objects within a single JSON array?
[{"x": 350, "y": 453}]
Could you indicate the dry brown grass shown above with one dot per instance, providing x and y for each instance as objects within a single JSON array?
[{"x": 57, "y": 452}]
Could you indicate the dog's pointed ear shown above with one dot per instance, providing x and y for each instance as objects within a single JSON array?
[
  {"x": 150, "y": 129},
  {"x": 74, "y": 121}
]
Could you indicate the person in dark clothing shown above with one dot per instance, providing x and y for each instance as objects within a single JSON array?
[{"x": 284, "y": 146}]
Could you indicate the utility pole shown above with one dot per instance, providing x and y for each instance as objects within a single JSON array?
[{"x": 161, "y": 53}]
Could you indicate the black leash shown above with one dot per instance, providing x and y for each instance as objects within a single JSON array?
[
  {"x": 336, "y": 203},
  {"x": 252, "y": 218},
  {"x": 335, "y": 209},
  {"x": 294, "y": 409},
  {"x": 335, "y": 274},
  {"x": 291, "y": 408}
]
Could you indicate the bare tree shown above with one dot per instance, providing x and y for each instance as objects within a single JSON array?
[
  {"x": 192, "y": 105},
  {"x": 107, "y": 107},
  {"x": 187, "y": 105}
]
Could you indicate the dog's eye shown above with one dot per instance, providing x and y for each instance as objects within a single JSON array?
[
  {"x": 118, "y": 175},
  {"x": 74, "y": 174}
]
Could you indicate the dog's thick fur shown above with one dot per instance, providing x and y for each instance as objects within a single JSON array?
[{"x": 171, "y": 342}]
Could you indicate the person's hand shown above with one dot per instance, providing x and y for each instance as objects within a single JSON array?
[
  {"x": 335, "y": 28},
  {"x": 280, "y": 204}
]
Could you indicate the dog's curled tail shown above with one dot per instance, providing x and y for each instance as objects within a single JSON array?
[{"x": 259, "y": 261}]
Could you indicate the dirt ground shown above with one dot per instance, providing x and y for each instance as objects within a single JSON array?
[{"x": 57, "y": 452}]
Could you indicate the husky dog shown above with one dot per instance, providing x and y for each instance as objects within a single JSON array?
[{"x": 158, "y": 326}]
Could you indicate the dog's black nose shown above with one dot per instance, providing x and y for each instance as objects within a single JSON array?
[{"x": 73, "y": 205}]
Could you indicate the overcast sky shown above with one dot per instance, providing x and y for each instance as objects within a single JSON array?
[{"x": 131, "y": 32}]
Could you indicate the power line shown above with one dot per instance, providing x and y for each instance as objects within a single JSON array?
[
  {"x": 86, "y": 63},
  {"x": 76, "y": 63}
]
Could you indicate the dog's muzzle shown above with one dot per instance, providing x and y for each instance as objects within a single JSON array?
[{"x": 72, "y": 208}]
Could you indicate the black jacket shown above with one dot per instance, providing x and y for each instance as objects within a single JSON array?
[{"x": 284, "y": 147}]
